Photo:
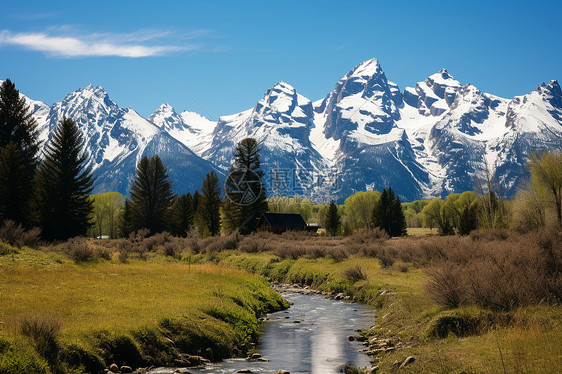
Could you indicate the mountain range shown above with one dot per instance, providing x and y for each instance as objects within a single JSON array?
[{"x": 425, "y": 141}]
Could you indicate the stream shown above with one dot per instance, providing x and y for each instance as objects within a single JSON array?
[{"x": 310, "y": 337}]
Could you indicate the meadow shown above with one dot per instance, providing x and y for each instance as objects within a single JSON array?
[{"x": 484, "y": 303}]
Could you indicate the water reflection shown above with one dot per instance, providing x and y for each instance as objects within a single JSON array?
[{"x": 309, "y": 337}]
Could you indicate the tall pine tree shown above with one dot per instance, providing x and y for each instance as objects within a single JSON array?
[
  {"x": 181, "y": 215},
  {"x": 388, "y": 214},
  {"x": 245, "y": 182},
  {"x": 208, "y": 211},
  {"x": 332, "y": 221},
  {"x": 64, "y": 185},
  {"x": 19, "y": 149},
  {"x": 151, "y": 196}
]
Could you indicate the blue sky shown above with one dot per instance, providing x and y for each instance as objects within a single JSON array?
[{"x": 227, "y": 54}]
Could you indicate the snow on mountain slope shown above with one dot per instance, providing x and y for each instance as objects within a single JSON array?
[
  {"x": 426, "y": 141},
  {"x": 189, "y": 128},
  {"x": 373, "y": 153},
  {"x": 460, "y": 138},
  {"x": 117, "y": 138},
  {"x": 281, "y": 122},
  {"x": 534, "y": 124},
  {"x": 434, "y": 95}
]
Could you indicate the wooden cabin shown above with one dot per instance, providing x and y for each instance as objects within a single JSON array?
[{"x": 281, "y": 222}]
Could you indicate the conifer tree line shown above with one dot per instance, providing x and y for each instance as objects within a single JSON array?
[
  {"x": 51, "y": 194},
  {"x": 152, "y": 205}
]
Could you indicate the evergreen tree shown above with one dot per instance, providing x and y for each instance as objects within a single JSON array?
[
  {"x": 332, "y": 221},
  {"x": 245, "y": 188},
  {"x": 209, "y": 206},
  {"x": 19, "y": 148},
  {"x": 151, "y": 196},
  {"x": 64, "y": 185},
  {"x": 388, "y": 214},
  {"x": 181, "y": 215},
  {"x": 468, "y": 220},
  {"x": 125, "y": 224},
  {"x": 231, "y": 216},
  {"x": 195, "y": 201}
]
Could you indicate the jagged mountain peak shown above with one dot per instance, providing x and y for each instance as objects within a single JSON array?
[
  {"x": 366, "y": 69},
  {"x": 165, "y": 107},
  {"x": 166, "y": 118},
  {"x": 164, "y": 110},
  {"x": 281, "y": 103},
  {"x": 89, "y": 98},
  {"x": 442, "y": 77},
  {"x": 551, "y": 87},
  {"x": 426, "y": 141},
  {"x": 434, "y": 95}
]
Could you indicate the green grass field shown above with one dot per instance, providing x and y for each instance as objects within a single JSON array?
[
  {"x": 208, "y": 305},
  {"x": 129, "y": 312}
]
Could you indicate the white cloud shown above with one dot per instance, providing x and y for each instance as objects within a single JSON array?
[{"x": 122, "y": 45}]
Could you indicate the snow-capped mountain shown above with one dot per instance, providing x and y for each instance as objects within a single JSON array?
[
  {"x": 426, "y": 141},
  {"x": 281, "y": 122},
  {"x": 117, "y": 138},
  {"x": 360, "y": 114},
  {"x": 189, "y": 128}
]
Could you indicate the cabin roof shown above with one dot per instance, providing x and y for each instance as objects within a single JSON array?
[{"x": 284, "y": 219}]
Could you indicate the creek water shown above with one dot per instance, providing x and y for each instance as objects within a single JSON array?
[{"x": 309, "y": 337}]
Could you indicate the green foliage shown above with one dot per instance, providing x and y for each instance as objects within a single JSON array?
[
  {"x": 296, "y": 205},
  {"x": 151, "y": 196},
  {"x": 388, "y": 215},
  {"x": 64, "y": 185},
  {"x": 359, "y": 208},
  {"x": 413, "y": 212},
  {"x": 180, "y": 217},
  {"x": 246, "y": 167},
  {"x": 332, "y": 222},
  {"x": 437, "y": 214},
  {"x": 208, "y": 211},
  {"x": 107, "y": 210},
  {"x": 17, "y": 357},
  {"x": 468, "y": 220},
  {"x": 546, "y": 178},
  {"x": 231, "y": 216},
  {"x": 19, "y": 148}
]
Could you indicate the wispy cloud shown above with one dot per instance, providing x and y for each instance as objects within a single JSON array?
[{"x": 143, "y": 43}]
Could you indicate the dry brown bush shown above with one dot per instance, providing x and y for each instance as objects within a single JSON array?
[
  {"x": 15, "y": 235},
  {"x": 498, "y": 273},
  {"x": 80, "y": 250},
  {"x": 355, "y": 273}
]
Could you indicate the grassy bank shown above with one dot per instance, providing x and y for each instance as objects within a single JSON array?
[
  {"x": 398, "y": 277},
  {"x": 485, "y": 303},
  {"x": 148, "y": 310}
]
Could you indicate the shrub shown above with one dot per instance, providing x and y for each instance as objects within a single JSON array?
[
  {"x": 43, "y": 331},
  {"x": 15, "y": 235},
  {"x": 500, "y": 272},
  {"x": 80, "y": 250},
  {"x": 16, "y": 358},
  {"x": 387, "y": 256},
  {"x": 355, "y": 273}
]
